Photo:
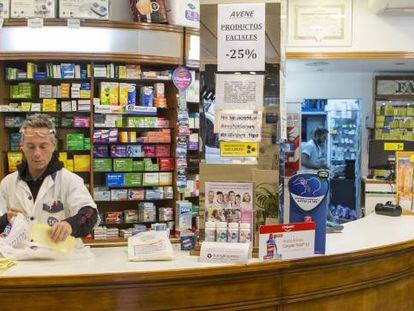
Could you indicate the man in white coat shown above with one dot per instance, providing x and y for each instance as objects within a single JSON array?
[{"x": 43, "y": 190}]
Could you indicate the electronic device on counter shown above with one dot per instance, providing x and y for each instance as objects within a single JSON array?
[{"x": 388, "y": 209}]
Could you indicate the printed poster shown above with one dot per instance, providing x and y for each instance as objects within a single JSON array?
[
  {"x": 405, "y": 180},
  {"x": 229, "y": 202},
  {"x": 239, "y": 92}
]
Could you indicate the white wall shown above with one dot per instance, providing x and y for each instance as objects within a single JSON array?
[
  {"x": 120, "y": 11},
  {"x": 374, "y": 33},
  {"x": 348, "y": 85}
]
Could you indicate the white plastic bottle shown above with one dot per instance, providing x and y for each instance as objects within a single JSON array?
[
  {"x": 233, "y": 236},
  {"x": 210, "y": 231},
  {"x": 221, "y": 231},
  {"x": 245, "y": 233}
]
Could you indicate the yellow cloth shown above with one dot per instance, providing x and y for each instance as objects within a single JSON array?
[{"x": 5, "y": 264}]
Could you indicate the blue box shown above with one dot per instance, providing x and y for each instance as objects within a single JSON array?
[{"x": 114, "y": 180}]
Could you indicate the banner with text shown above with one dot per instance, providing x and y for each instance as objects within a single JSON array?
[
  {"x": 241, "y": 37},
  {"x": 238, "y": 149}
]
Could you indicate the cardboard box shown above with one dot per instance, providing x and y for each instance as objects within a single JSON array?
[
  {"x": 4, "y": 9},
  {"x": 123, "y": 165},
  {"x": 132, "y": 179},
  {"x": 166, "y": 164},
  {"x": 102, "y": 165},
  {"x": 89, "y": 9},
  {"x": 114, "y": 217},
  {"x": 33, "y": 8},
  {"x": 134, "y": 151},
  {"x": 131, "y": 216},
  {"x": 109, "y": 93}
]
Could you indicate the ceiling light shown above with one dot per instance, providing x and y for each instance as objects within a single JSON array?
[{"x": 317, "y": 64}]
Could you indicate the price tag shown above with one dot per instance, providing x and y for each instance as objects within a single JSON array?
[
  {"x": 241, "y": 37},
  {"x": 1, "y": 22},
  {"x": 35, "y": 22},
  {"x": 74, "y": 23}
]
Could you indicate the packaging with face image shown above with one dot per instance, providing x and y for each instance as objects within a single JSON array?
[
  {"x": 89, "y": 9},
  {"x": 149, "y": 11}
]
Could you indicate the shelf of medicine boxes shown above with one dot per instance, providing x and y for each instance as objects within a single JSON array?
[{"x": 99, "y": 177}]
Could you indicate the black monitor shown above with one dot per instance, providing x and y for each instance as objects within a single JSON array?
[{"x": 382, "y": 153}]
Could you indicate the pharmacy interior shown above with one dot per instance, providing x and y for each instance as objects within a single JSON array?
[{"x": 176, "y": 130}]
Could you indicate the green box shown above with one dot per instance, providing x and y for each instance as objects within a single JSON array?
[
  {"x": 123, "y": 165},
  {"x": 75, "y": 141},
  {"x": 138, "y": 166},
  {"x": 87, "y": 143},
  {"x": 102, "y": 165},
  {"x": 150, "y": 167},
  {"x": 132, "y": 179}
]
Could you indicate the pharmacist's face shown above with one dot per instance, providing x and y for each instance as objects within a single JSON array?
[
  {"x": 38, "y": 149},
  {"x": 321, "y": 139}
]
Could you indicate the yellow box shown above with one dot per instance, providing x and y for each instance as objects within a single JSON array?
[
  {"x": 82, "y": 163},
  {"x": 49, "y": 105},
  {"x": 25, "y": 106},
  {"x": 69, "y": 165},
  {"x": 63, "y": 156}
]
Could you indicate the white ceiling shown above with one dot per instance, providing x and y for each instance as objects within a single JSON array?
[
  {"x": 208, "y": 33},
  {"x": 351, "y": 65}
]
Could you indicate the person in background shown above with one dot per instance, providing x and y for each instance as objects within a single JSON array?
[
  {"x": 313, "y": 152},
  {"x": 43, "y": 190}
]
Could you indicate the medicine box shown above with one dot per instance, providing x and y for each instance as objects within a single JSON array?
[
  {"x": 123, "y": 165},
  {"x": 102, "y": 165},
  {"x": 75, "y": 141},
  {"x": 136, "y": 194},
  {"x": 165, "y": 179},
  {"x": 131, "y": 216},
  {"x": 89, "y": 9},
  {"x": 81, "y": 163},
  {"x": 138, "y": 166},
  {"x": 114, "y": 179},
  {"x": 109, "y": 93},
  {"x": 4, "y": 9},
  {"x": 33, "y": 8},
  {"x": 132, "y": 179},
  {"x": 101, "y": 194},
  {"x": 184, "y": 13},
  {"x": 114, "y": 217},
  {"x": 119, "y": 194},
  {"x": 151, "y": 179}
]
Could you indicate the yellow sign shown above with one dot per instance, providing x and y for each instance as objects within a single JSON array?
[
  {"x": 393, "y": 146},
  {"x": 239, "y": 149}
]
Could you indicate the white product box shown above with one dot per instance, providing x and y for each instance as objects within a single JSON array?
[
  {"x": 33, "y": 8},
  {"x": 4, "y": 9},
  {"x": 90, "y": 9},
  {"x": 184, "y": 12}
]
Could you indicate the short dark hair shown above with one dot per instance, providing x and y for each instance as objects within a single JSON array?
[{"x": 320, "y": 131}]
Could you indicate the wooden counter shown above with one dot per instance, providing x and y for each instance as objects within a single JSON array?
[{"x": 365, "y": 269}]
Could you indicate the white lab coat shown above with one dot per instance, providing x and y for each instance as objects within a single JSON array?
[{"x": 61, "y": 195}]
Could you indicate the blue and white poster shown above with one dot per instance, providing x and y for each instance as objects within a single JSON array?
[{"x": 308, "y": 201}]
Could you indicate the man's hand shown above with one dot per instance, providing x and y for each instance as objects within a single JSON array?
[
  {"x": 13, "y": 212},
  {"x": 60, "y": 231}
]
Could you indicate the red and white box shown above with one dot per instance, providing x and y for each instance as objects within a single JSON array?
[{"x": 287, "y": 241}]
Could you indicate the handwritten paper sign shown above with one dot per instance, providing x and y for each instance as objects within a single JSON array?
[{"x": 239, "y": 125}]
